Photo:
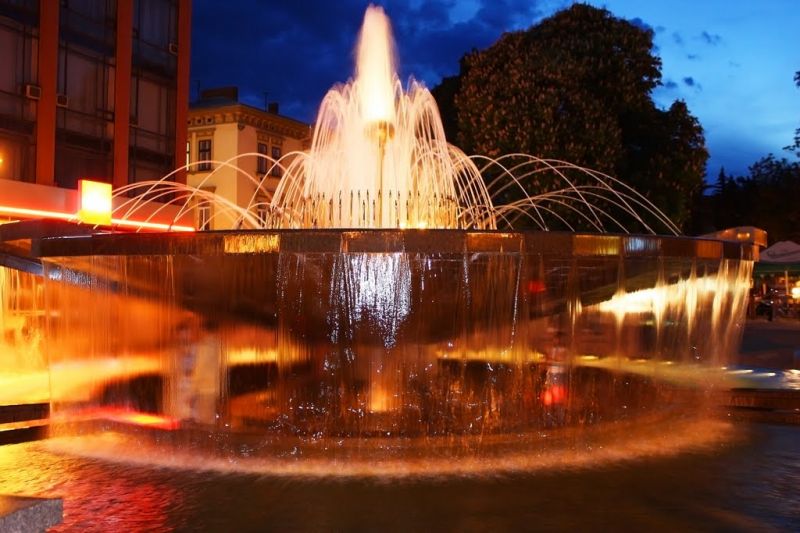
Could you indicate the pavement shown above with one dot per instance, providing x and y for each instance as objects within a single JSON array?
[
  {"x": 774, "y": 345},
  {"x": 26, "y": 514},
  {"x": 769, "y": 391}
]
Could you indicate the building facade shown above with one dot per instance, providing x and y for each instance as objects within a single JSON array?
[
  {"x": 95, "y": 89},
  {"x": 221, "y": 128}
]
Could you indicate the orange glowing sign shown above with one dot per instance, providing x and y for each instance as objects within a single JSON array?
[{"x": 95, "y": 202}]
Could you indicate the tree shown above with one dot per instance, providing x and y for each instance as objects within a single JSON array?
[
  {"x": 796, "y": 146},
  {"x": 664, "y": 157},
  {"x": 577, "y": 87},
  {"x": 774, "y": 190},
  {"x": 766, "y": 197},
  {"x": 445, "y": 95}
]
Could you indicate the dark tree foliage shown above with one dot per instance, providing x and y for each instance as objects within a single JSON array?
[
  {"x": 796, "y": 146},
  {"x": 445, "y": 95},
  {"x": 577, "y": 87},
  {"x": 767, "y": 197}
]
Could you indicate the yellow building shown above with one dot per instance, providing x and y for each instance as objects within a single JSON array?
[{"x": 220, "y": 128}]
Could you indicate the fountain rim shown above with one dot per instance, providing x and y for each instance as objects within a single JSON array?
[{"x": 383, "y": 241}]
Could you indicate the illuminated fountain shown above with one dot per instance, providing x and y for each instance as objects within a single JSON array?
[
  {"x": 379, "y": 158},
  {"x": 377, "y": 321}
]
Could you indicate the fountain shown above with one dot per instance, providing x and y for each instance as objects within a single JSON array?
[{"x": 379, "y": 322}]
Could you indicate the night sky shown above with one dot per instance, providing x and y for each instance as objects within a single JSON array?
[{"x": 732, "y": 61}]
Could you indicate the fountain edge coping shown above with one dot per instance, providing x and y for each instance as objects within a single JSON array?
[
  {"x": 25, "y": 513},
  {"x": 388, "y": 241}
]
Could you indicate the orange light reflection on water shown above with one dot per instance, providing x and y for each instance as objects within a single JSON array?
[{"x": 126, "y": 416}]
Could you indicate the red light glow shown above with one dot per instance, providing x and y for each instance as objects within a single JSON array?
[
  {"x": 536, "y": 286},
  {"x": 554, "y": 395}
]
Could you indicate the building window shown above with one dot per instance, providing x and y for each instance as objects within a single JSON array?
[
  {"x": 204, "y": 154},
  {"x": 188, "y": 153},
  {"x": 262, "y": 159},
  {"x": 276, "y": 155},
  {"x": 262, "y": 212},
  {"x": 204, "y": 216}
]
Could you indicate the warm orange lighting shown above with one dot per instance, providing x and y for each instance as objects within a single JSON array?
[
  {"x": 158, "y": 226},
  {"x": 375, "y": 68},
  {"x": 95, "y": 202},
  {"x": 144, "y": 419},
  {"x": 137, "y": 418},
  {"x": 38, "y": 213},
  {"x": 378, "y": 400},
  {"x": 41, "y": 213}
]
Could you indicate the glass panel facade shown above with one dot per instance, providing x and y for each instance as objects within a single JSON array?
[
  {"x": 85, "y": 115},
  {"x": 153, "y": 89},
  {"x": 18, "y": 88},
  {"x": 85, "y": 88}
]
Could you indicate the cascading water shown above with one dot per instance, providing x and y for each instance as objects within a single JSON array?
[{"x": 23, "y": 365}]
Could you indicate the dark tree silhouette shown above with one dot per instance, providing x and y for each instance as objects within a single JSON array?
[
  {"x": 796, "y": 146},
  {"x": 577, "y": 87},
  {"x": 766, "y": 197}
]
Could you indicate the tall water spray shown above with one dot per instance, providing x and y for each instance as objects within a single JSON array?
[{"x": 379, "y": 158}]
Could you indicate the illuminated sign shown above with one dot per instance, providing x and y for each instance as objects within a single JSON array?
[{"x": 95, "y": 200}]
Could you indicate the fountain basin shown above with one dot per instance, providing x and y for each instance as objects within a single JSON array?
[{"x": 290, "y": 338}]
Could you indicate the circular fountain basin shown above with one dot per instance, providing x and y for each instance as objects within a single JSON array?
[{"x": 386, "y": 342}]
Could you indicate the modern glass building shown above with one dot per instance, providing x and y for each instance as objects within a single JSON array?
[{"x": 94, "y": 89}]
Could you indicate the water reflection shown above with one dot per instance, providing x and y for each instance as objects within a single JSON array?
[
  {"x": 23, "y": 365},
  {"x": 748, "y": 484}
]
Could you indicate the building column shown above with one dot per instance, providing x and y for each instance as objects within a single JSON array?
[
  {"x": 122, "y": 92},
  {"x": 48, "y": 82},
  {"x": 182, "y": 89}
]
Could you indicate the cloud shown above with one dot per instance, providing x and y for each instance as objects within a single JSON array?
[
  {"x": 677, "y": 38},
  {"x": 711, "y": 39},
  {"x": 295, "y": 51},
  {"x": 692, "y": 57},
  {"x": 639, "y": 23},
  {"x": 691, "y": 82}
]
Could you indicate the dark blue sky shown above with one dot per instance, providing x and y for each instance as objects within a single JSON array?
[{"x": 732, "y": 61}]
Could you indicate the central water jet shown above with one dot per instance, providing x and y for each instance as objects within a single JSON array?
[{"x": 379, "y": 158}]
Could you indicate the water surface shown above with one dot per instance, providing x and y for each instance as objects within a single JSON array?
[{"x": 750, "y": 484}]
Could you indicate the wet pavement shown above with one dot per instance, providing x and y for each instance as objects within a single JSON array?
[{"x": 773, "y": 345}]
